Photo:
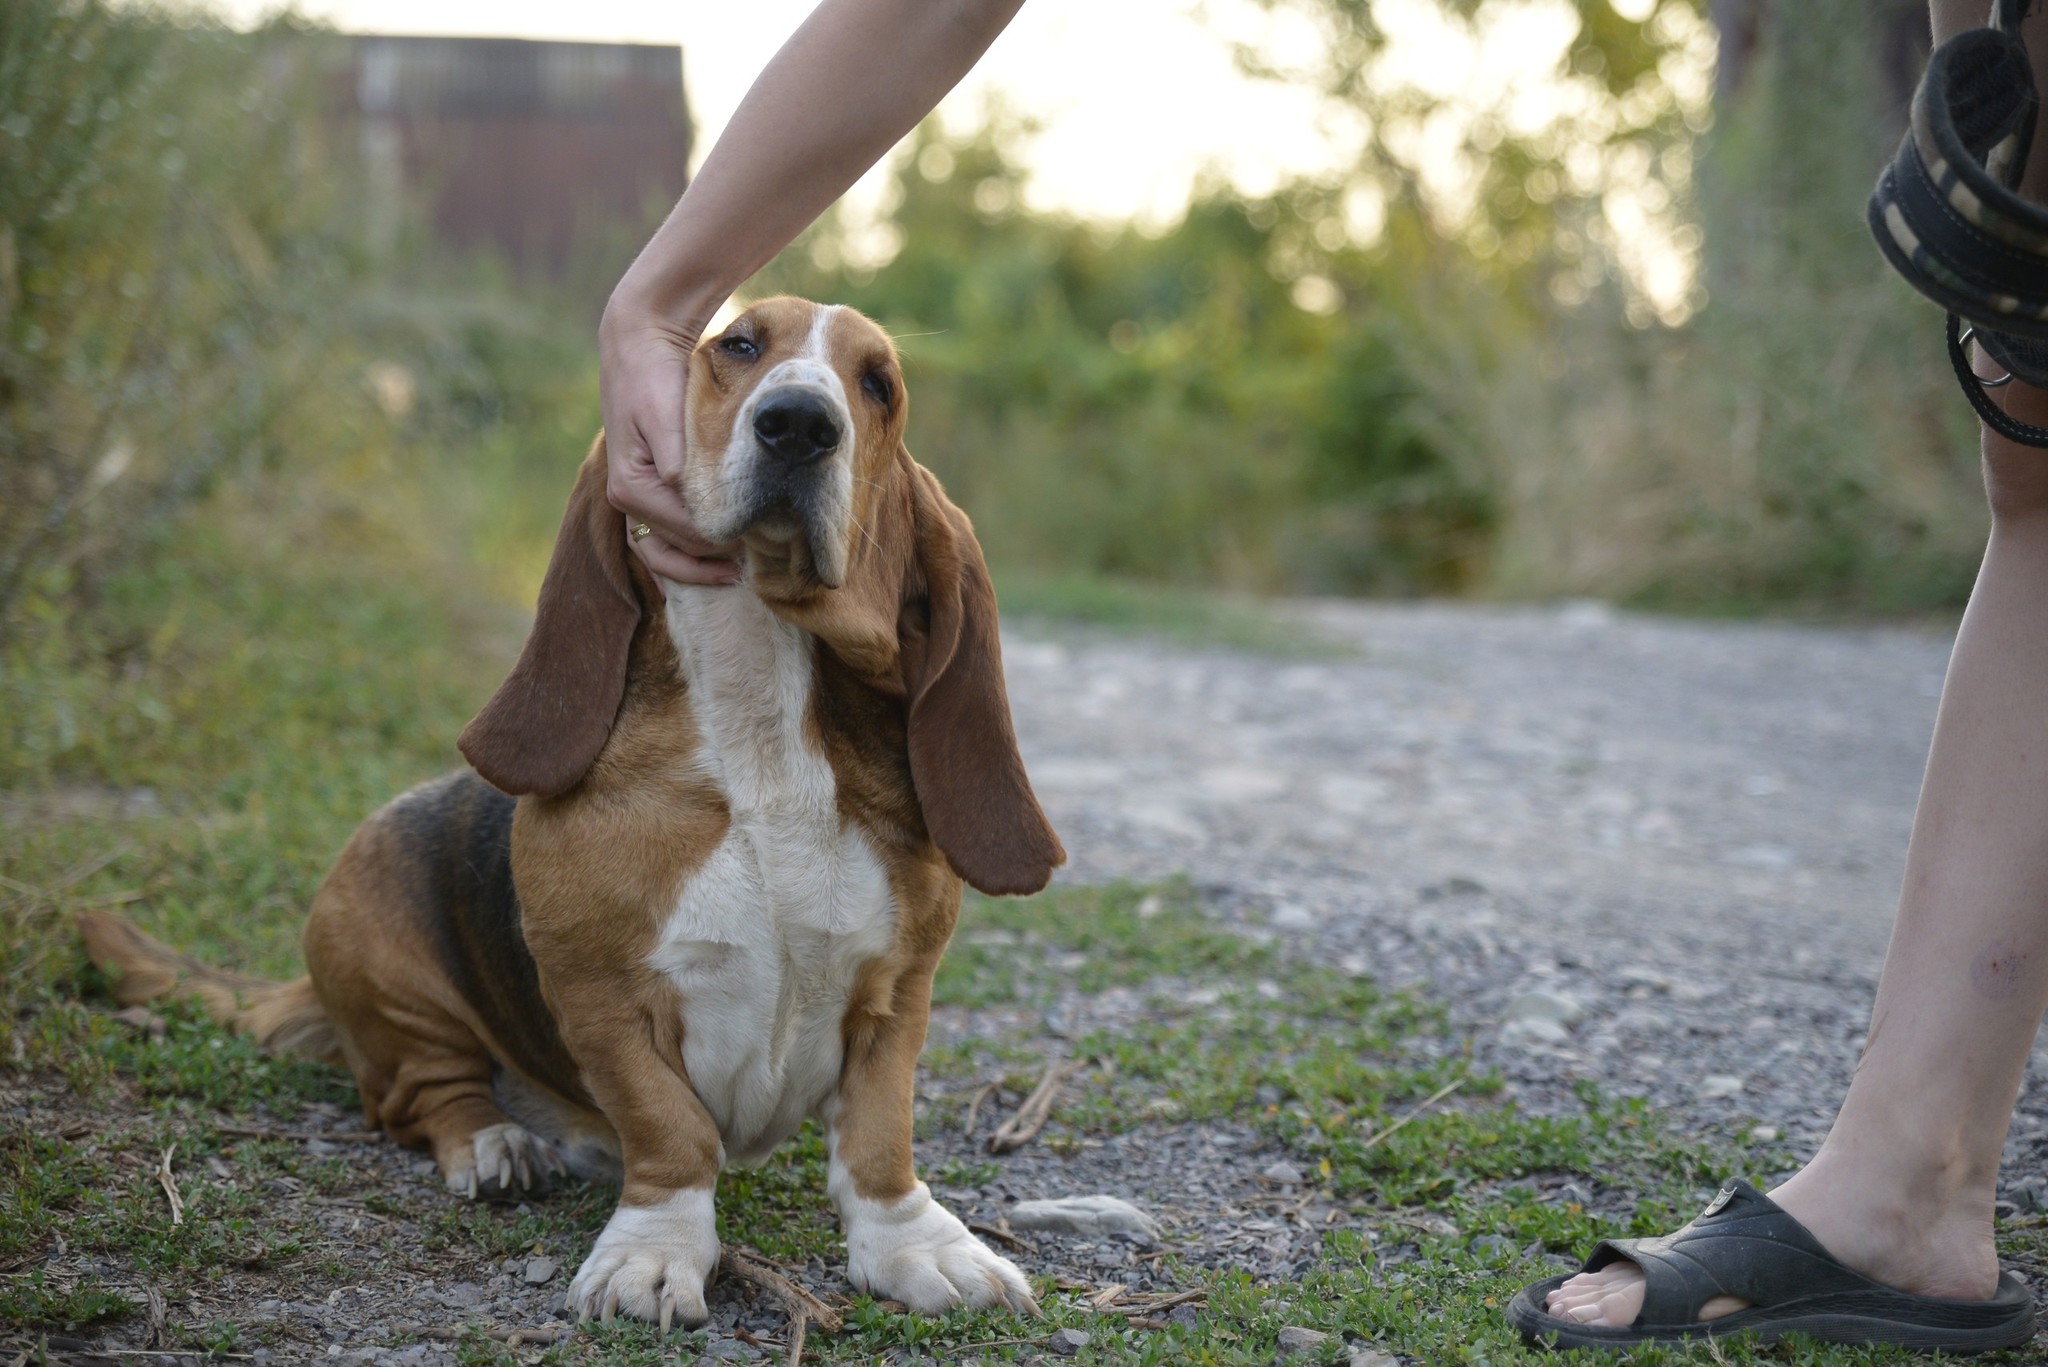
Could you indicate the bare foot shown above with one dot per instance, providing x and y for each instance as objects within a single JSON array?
[{"x": 1951, "y": 1255}]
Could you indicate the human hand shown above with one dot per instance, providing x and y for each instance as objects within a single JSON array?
[{"x": 643, "y": 370}]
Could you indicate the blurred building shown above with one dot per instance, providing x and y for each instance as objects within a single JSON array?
[{"x": 533, "y": 149}]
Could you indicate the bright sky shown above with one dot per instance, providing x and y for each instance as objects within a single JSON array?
[
  {"x": 1137, "y": 97},
  {"x": 1136, "y": 100}
]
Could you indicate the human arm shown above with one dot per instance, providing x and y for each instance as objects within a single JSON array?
[{"x": 852, "y": 80}]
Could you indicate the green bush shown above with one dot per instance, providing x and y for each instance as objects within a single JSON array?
[
  {"x": 1164, "y": 407},
  {"x": 172, "y": 253}
]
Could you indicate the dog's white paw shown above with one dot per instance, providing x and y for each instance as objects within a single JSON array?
[
  {"x": 504, "y": 1160},
  {"x": 916, "y": 1251},
  {"x": 651, "y": 1262}
]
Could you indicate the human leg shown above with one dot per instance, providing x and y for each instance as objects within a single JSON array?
[{"x": 1902, "y": 1189}]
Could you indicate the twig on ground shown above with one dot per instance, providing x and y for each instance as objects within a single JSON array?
[
  {"x": 208, "y": 1354},
  {"x": 535, "y": 1335},
  {"x": 159, "y": 1317},
  {"x": 1416, "y": 1110},
  {"x": 797, "y": 1324},
  {"x": 1107, "y": 1296},
  {"x": 747, "y": 1268},
  {"x": 301, "y": 1136},
  {"x": 1004, "y": 1236},
  {"x": 986, "y": 1091},
  {"x": 1153, "y": 1307},
  {"x": 170, "y": 1185},
  {"x": 1024, "y": 1126}
]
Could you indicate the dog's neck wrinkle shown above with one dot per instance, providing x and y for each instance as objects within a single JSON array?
[{"x": 749, "y": 674}]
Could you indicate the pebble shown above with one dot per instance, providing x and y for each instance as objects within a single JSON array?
[
  {"x": 1066, "y": 1342},
  {"x": 1715, "y": 1086},
  {"x": 541, "y": 1271},
  {"x": 1763, "y": 1134},
  {"x": 1093, "y": 1217},
  {"x": 1541, "y": 1004},
  {"x": 1534, "y": 1032},
  {"x": 1282, "y": 1174},
  {"x": 1494, "y": 1248},
  {"x": 1293, "y": 916},
  {"x": 1373, "y": 1357},
  {"x": 728, "y": 1350},
  {"x": 1295, "y": 1339}
]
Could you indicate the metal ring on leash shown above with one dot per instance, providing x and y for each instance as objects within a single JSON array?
[
  {"x": 1994, "y": 417},
  {"x": 1999, "y": 383}
]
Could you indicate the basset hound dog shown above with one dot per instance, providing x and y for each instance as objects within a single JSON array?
[{"x": 696, "y": 887}]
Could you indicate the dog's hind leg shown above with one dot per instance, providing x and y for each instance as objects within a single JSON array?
[{"x": 424, "y": 1059}]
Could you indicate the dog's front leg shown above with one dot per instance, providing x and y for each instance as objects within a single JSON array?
[
  {"x": 900, "y": 1243},
  {"x": 652, "y": 1260}
]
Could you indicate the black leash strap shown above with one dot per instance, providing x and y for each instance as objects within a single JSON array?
[
  {"x": 1977, "y": 390},
  {"x": 1947, "y": 216}
]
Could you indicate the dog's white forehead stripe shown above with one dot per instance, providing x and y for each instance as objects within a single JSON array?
[{"x": 812, "y": 363}]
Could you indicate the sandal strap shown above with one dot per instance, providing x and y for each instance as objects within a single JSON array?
[{"x": 1744, "y": 1244}]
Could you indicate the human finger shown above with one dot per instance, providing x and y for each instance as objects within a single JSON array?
[{"x": 672, "y": 562}]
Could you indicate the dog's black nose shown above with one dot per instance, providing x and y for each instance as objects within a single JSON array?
[{"x": 796, "y": 426}]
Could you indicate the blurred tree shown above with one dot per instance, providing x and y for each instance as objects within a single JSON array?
[
  {"x": 170, "y": 242},
  {"x": 1528, "y": 177},
  {"x": 1218, "y": 403}
]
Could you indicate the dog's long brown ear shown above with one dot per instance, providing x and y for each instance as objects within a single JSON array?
[
  {"x": 542, "y": 729},
  {"x": 977, "y": 801}
]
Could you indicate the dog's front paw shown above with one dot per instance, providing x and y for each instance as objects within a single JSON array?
[
  {"x": 651, "y": 1262},
  {"x": 916, "y": 1251},
  {"x": 503, "y": 1160}
]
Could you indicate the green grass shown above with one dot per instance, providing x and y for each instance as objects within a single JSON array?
[{"x": 270, "y": 695}]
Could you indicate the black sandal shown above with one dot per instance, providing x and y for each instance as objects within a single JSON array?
[
  {"x": 1946, "y": 215},
  {"x": 1746, "y": 1245}
]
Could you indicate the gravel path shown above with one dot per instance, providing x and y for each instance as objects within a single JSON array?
[
  {"x": 1695, "y": 830},
  {"x": 1683, "y": 838}
]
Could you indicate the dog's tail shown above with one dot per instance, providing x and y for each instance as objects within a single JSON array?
[{"x": 284, "y": 1018}]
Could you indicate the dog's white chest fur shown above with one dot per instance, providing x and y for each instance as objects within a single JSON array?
[{"x": 769, "y": 933}]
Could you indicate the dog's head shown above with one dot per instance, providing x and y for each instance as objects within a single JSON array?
[
  {"x": 795, "y": 450},
  {"x": 796, "y": 411}
]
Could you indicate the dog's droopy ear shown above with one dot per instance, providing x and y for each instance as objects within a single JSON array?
[
  {"x": 544, "y": 726},
  {"x": 970, "y": 780}
]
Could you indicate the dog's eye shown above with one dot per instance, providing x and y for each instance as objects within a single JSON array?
[
  {"x": 876, "y": 386},
  {"x": 738, "y": 346}
]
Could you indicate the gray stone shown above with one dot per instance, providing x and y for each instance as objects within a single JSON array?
[
  {"x": 728, "y": 1350},
  {"x": 1373, "y": 1357},
  {"x": 1492, "y": 1247},
  {"x": 1292, "y": 916},
  {"x": 1092, "y": 1217},
  {"x": 1295, "y": 1339},
  {"x": 1715, "y": 1086},
  {"x": 1542, "y": 1004},
  {"x": 1525, "y": 1032},
  {"x": 1282, "y": 1174},
  {"x": 541, "y": 1271},
  {"x": 1067, "y": 1342}
]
